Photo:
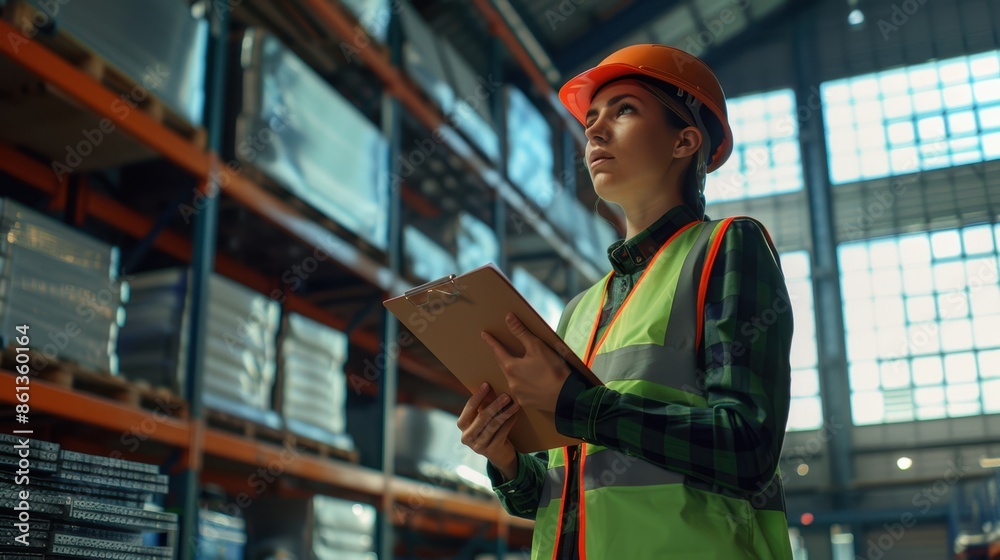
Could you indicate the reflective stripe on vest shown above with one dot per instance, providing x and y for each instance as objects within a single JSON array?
[{"x": 633, "y": 508}]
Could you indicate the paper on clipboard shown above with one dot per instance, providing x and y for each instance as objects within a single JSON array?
[{"x": 449, "y": 314}]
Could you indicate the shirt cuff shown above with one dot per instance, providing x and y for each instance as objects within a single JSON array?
[
  {"x": 517, "y": 484},
  {"x": 577, "y": 407}
]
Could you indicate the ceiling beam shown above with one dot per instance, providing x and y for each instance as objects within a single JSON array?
[
  {"x": 605, "y": 33},
  {"x": 758, "y": 30}
]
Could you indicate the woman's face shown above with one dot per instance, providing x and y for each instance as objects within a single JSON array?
[{"x": 632, "y": 152}]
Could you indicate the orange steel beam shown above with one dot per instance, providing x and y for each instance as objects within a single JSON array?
[
  {"x": 28, "y": 170},
  {"x": 293, "y": 462},
  {"x": 91, "y": 94},
  {"x": 419, "y": 495},
  {"x": 498, "y": 26},
  {"x": 130, "y": 421}
]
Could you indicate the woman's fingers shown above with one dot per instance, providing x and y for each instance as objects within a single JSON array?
[
  {"x": 472, "y": 407},
  {"x": 490, "y": 432}
]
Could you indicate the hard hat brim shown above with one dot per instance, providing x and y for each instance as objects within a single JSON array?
[{"x": 577, "y": 93}]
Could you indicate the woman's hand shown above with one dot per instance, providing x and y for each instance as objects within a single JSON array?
[
  {"x": 536, "y": 378},
  {"x": 485, "y": 429}
]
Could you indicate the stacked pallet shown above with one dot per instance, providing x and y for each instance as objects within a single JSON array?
[
  {"x": 313, "y": 389},
  {"x": 240, "y": 342},
  {"x": 59, "y": 283},
  {"x": 63, "y": 503}
]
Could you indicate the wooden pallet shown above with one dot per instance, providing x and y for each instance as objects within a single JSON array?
[
  {"x": 23, "y": 17},
  {"x": 322, "y": 450},
  {"x": 243, "y": 427},
  {"x": 137, "y": 394}
]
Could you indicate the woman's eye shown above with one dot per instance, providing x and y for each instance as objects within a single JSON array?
[{"x": 625, "y": 106}]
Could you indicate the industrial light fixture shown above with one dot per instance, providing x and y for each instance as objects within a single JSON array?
[
  {"x": 904, "y": 463},
  {"x": 989, "y": 462},
  {"x": 855, "y": 18},
  {"x": 802, "y": 469}
]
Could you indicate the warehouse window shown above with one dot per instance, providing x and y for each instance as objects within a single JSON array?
[
  {"x": 922, "y": 313},
  {"x": 806, "y": 411},
  {"x": 765, "y": 158},
  {"x": 928, "y": 116}
]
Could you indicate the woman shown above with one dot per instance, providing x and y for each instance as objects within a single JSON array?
[{"x": 682, "y": 442}]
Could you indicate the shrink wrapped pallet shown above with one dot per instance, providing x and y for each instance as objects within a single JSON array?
[
  {"x": 142, "y": 40},
  {"x": 63, "y": 285},
  {"x": 240, "y": 341},
  {"x": 444, "y": 75},
  {"x": 313, "y": 393},
  {"x": 298, "y": 130}
]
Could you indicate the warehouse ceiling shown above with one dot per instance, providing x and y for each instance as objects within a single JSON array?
[{"x": 566, "y": 37}]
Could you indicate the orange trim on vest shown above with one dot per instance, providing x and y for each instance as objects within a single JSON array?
[
  {"x": 562, "y": 505},
  {"x": 713, "y": 250},
  {"x": 589, "y": 356},
  {"x": 582, "y": 540},
  {"x": 592, "y": 352}
]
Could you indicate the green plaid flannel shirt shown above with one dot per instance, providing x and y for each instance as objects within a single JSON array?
[{"x": 735, "y": 441}]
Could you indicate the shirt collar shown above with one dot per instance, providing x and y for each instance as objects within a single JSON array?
[{"x": 630, "y": 256}]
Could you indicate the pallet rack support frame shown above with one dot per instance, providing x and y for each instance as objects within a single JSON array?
[{"x": 202, "y": 259}]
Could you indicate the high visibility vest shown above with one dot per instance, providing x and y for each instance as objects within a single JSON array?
[{"x": 631, "y": 508}]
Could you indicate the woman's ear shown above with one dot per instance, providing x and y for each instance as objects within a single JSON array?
[{"x": 688, "y": 142}]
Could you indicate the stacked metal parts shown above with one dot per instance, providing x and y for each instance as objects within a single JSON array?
[
  {"x": 336, "y": 163},
  {"x": 547, "y": 303},
  {"x": 461, "y": 93},
  {"x": 313, "y": 383},
  {"x": 240, "y": 348},
  {"x": 429, "y": 447},
  {"x": 65, "y": 282},
  {"x": 320, "y": 528},
  {"x": 80, "y": 505}
]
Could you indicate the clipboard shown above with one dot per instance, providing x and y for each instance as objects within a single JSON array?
[{"x": 448, "y": 314}]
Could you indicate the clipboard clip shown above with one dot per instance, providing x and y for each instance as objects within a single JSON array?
[{"x": 435, "y": 286}]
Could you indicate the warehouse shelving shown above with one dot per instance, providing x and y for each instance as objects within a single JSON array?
[
  {"x": 180, "y": 433},
  {"x": 192, "y": 436}
]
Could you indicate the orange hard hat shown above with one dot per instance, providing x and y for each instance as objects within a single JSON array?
[{"x": 663, "y": 63}]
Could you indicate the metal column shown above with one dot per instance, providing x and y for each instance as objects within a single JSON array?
[
  {"x": 392, "y": 127},
  {"x": 498, "y": 109},
  {"x": 203, "y": 257},
  {"x": 835, "y": 389}
]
